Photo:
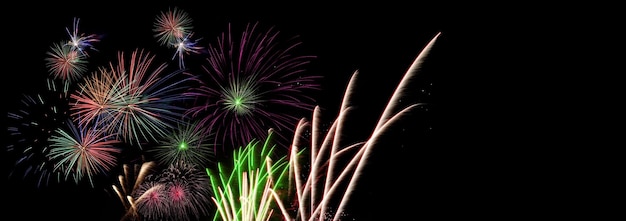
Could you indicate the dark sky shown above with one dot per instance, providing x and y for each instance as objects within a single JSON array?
[{"x": 380, "y": 41}]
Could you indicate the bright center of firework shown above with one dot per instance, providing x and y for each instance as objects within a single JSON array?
[
  {"x": 182, "y": 146},
  {"x": 240, "y": 97}
]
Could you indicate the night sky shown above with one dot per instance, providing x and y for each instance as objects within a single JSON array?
[{"x": 380, "y": 41}]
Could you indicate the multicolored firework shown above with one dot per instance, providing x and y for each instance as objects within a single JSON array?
[
  {"x": 179, "y": 192},
  {"x": 31, "y": 125},
  {"x": 67, "y": 60},
  {"x": 83, "y": 152},
  {"x": 187, "y": 190},
  {"x": 248, "y": 191},
  {"x": 81, "y": 42},
  {"x": 252, "y": 85},
  {"x": 171, "y": 26},
  {"x": 65, "y": 63},
  {"x": 131, "y": 99},
  {"x": 173, "y": 29},
  {"x": 188, "y": 143},
  {"x": 130, "y": 184},
  {"x": 327, "y": 187}
]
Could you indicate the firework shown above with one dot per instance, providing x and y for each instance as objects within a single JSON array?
[
  {"x": 248, "y": 191},
  {"x": 173, "y": 29},
  {"x": 152, "y": 201},
  {"x": 129, "y": 184},
  {"x": 30, "y": 126},
  {"x": 65, "y": 63},
  {"x": 79, "y": 41},
  {"x": 188, "y": 191},
  {"x": 171, "y": 26},
  {"x": 179, "y": 192},
  {"x": 131, "y": 99},
  {"x": 83, "y": 152},
  {"x": 189, "y": 143},
  {"x": 327, "y": 188},
  {"x": 252, "y": 85}
]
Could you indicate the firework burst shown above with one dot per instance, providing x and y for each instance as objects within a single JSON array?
[
  {"x": 179, "y": 192},
  {"x": 253, "y": 84},
  {"x": 151, "y": 201},
  {"x": 83, "y": 152},
  {"x": 173, "y": 29},
  {"x": 81, "y": 42},
  {"x": 189, "y": 143},
  {"x": 30, "y": 127},
  {"x": 171, "y": 26},
  {"x": 131, "y": 99},
  {"x": 65, "y": 63}
]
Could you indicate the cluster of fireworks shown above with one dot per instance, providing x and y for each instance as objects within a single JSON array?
[{"x": 178, "y": 128}]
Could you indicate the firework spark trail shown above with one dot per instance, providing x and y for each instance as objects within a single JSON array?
[
  {"x": 335, "y": 187},
  {"x": 390, "y": 114},
  {"x": 248, "y": 191},
  {"x": 129, "y": 184}
]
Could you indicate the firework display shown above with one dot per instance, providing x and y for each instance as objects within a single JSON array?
[{"x": 218, "y": 131}]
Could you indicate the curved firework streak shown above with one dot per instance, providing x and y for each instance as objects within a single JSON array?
[
  {"x": 129, "y": 188},
  {"x": 247, "y": 189},
  {"x": 323, "y": 189}
]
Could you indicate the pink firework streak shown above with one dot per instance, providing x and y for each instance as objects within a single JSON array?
[{"x": 332, "y": 180}]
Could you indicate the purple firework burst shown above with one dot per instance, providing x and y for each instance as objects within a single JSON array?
[{"x": 254, "y": 82}]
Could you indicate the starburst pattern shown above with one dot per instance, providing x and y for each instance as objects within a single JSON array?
[
  {"x": 131, "y": 99},
  {"x": 81, "y": 42},
  {"x": 83, "y": 152},
  {"x": 171, "y": 26},
  {"x": 253, "y": 84},
  {"x": 65, "y": 63},
  {"x": 188, "y": 143},
  {"x": 173, "y": 29}
]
